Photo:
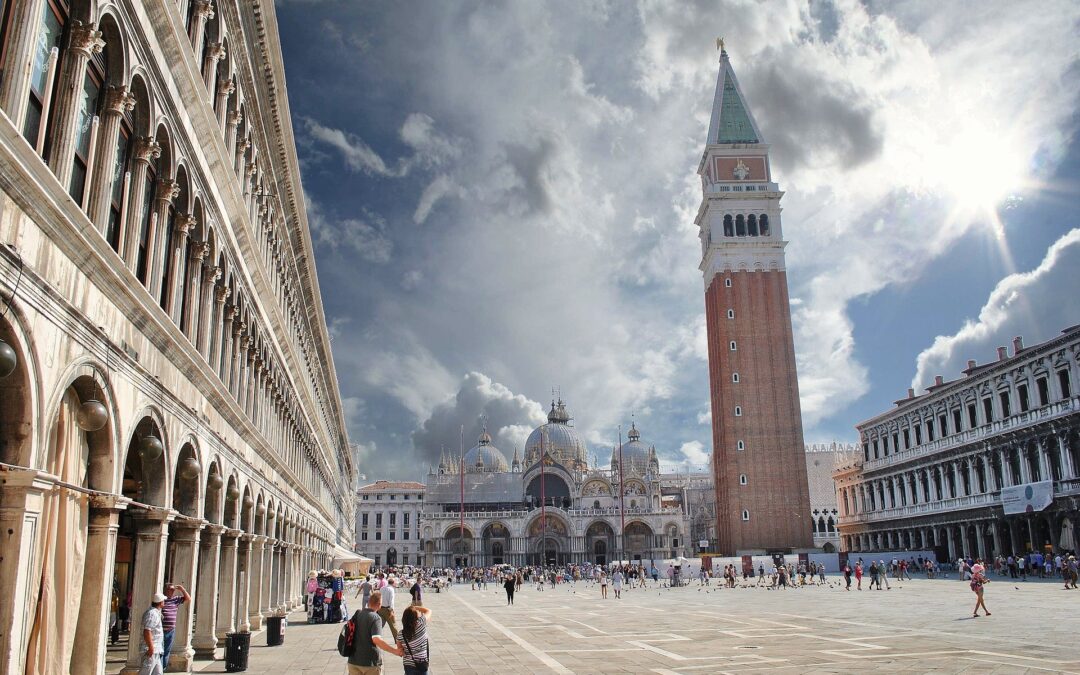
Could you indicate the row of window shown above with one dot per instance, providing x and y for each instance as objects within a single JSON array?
[
  {"x": 930, "y": 429},
  {"x": 392, "y": 535},
  {"x": 393, "y": 497},
  {"x": 746, "y": 226},
  {"x": 95, "y": 129},
  {"x": 379, "y": 519}
]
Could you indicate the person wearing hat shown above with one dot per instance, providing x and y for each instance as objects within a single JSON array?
[{"x": 153, "y": 638}]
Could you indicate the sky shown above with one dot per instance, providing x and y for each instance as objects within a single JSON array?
[{"x": 502, "y": 196}]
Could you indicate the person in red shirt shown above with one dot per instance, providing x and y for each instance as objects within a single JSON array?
[{"x": 175, "y": 595}]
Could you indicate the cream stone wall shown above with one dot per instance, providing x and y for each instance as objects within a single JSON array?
[{"x": 196, "y": 320}]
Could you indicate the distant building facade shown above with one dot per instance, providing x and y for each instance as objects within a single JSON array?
[
  {"x": 551, "y": 507},
  {"x": 758, "y": 468},
  {"x": 388, "y": 522},
  {"x": 983, "y": 465},
  {"x": 821, "y": 461}
]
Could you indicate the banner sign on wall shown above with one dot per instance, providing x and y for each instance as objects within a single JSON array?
[{"x": 1027, "y": 497}]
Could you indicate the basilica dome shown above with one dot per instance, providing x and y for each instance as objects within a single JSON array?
[
  {"x": 637, "y": 458},
  {"x": 560, "y": 440},
  {"x": 485, "y": 457}
]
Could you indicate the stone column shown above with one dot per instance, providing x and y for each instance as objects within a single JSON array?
[
  {"x": 1065, "y": 458},
  {"x": 201, "y": 11},
  {"x": 215, "y": 51},
  {"x": 224, "y": 352},
  {"x": 232, "y": 121},
  {"x": 209, "y": 309},
  {"x": 158, "y": 248},
  {"x": 980, "y": 541},
  {"x": 88, "y": 655},
  {"x": 176, "y": 250},
  {"x": 118, "y": 100},
  {"x": 205, "y": 640},
  {"x": 255, "y": 583},
  {"x": 227, "y": 586},
  {"x": 225, "y": 89},
  {"x": 1025, "y": 465},
  {"x": 22, "y": 39},
  {"x": 244, "y": 585},
  {"x": 21, "y": 502},
  {"x": 83, "y": 42},
  {"x": 196, "y": 292},
  {"x": 185, "y": 561},
  {"x": 266, "y": 606},
  {"x": 950, "y": 534},
  {"x": 1033, "y": 541},
  {"x": 145, "y": 150},
  {"x": 241, "y": 148},
  {"x": 152, "y": 534},
  {"x": 238, "y": 340}
]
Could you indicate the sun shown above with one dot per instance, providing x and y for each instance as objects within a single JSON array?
[{"x": 981, "y": 168}]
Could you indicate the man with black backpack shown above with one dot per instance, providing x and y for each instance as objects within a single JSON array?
[{"x": 361, "y": 639}]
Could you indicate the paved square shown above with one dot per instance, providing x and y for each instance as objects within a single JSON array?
[{"x": 917, "y": 626}]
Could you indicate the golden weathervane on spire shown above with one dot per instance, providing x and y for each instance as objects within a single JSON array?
[{"x": 720, "y": 43}]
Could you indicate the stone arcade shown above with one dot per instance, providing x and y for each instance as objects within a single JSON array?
[
  {"x": 172, "y": 412},
  {"x": 552, "y": 508}
]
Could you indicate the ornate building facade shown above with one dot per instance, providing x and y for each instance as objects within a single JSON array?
[
  {"x": 822, "y": 459},
  {"x": 388, "y": 522},
  {"x": 758, "y": 468},
  {"x": 983, "y": 465},
  {"x": 169, "y": 408},
  {"x": 551, "y": 508}
]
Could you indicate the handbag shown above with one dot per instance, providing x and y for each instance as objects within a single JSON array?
[{"x": 422, "y": 666}]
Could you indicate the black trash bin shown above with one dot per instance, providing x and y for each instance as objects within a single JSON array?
[
  {"x": 275, "y": 630},
  {"x": 236, "y": 652}
]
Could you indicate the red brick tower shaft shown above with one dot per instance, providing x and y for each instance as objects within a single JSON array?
[{"x": 763, "y": 501}]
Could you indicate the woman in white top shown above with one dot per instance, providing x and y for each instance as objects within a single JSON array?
[
  {"x": 603, "y": 585},
  {"x": 616, "y": 583}
]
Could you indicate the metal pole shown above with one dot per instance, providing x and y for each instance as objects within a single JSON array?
[
  {"x": 461, "y": 505},
  {"x": 543, "y": 505},
  {"x": 622, "y": 511}
]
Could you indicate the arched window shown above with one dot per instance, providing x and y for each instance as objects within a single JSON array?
[
  {"x": 732, "y": 346},
  {"x": 116, "y": 177},
  {"x": 738, "y": 411},
  {"x": 745, "y": 515},
  {"x": 727, "y": 283},
  {"x": 830, "y": 526},
  {"x": 763, "y": 225},
  {"x": 819, "y": 526},
  {"x": 740, "y": 226},
  {"x": 729, "y": 229},
  {"x": 731, "y": 314},
  {"x": 742, "y": 479},
  {"x": 751, "y": 225},
  {"x": 142, "y": 254},
  {"x": 596, "y": 503},
  {"x": 89, "y": 109},
  {"x": 740, "y": 445},
  {"x": 735, "y": 378},
  {"x": 44, "y": 67},
  {"x": 169, "y": 239}
]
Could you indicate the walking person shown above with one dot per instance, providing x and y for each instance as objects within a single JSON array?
[
  {"x": 386, "y": 606},
  {"x": 978, "y": 580},
  {"x": 153, "y": 638},
  {"x": 616, "y": 583},
  {"x": 365, "y": 658},
  {"x": 364, "y": 589},
  {"x": 509, "y": 585},
  {"x": 416, "y": 592},
  {"x": 603, "y": 585},
  {"x": 847, "y": 576},
  {"x": 414, "y": 638},
  {"x": 168, "y": 618},
  {"x": 858, "y": 576}
]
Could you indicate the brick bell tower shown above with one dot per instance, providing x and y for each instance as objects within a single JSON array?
[{"x": 762, "y": 498}]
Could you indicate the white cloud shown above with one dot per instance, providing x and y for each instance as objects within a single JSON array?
[
  {"x": 430, "y": 148},
  {"x": 695, "y": 453},
  {"x": 1034, "y": 305},
  {"x": 436, "y": 190}
]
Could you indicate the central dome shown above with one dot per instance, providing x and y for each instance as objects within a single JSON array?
[
  {"x": 559, "y": 440},
  {"x": 636, "y": 456},
  {"x": 485, "y": 457}
]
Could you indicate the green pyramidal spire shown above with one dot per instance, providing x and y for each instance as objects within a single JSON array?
[{"x": 731, "y": 120}]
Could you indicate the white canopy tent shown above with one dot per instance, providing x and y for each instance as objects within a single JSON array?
[{"x": 354, "y": 564}]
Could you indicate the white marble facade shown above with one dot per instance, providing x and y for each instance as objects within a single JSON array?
[{"x": 156, "y": 279}]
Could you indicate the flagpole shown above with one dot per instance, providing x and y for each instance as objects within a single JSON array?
[
  {"x": 461, "y": 511},
  {"x": 622, "y": 509},
  {"x": 543, "y": 504}
]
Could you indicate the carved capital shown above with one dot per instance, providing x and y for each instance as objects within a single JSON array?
[
  {"x": 235, "y": 117},
  {"x": 203, "y": 9},
  {"x": 215, "y": 51},
  {"x": 221, "y": 293},
  {"x": 85, "y": 39},
  {"x": 242, "y": 145},
  {"x": 147, "y": 148},
  {"x": 199, "y": 252},
  {"x": 252, "y": 169},
  {"x": 118, "y": 99},
  {"x": 185, "y": 222},
  {"x": 225, "y": 88},
  {"x": 230, "y": 310},
  {"x": 168, "y": 190}
]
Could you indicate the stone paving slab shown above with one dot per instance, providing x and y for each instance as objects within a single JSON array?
[{"x": 920, "y": 626}]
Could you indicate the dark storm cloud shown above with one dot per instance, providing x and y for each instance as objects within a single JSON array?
[
  {"x": 507, "y": 416},
  {"x": 809, "y": 120}
]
